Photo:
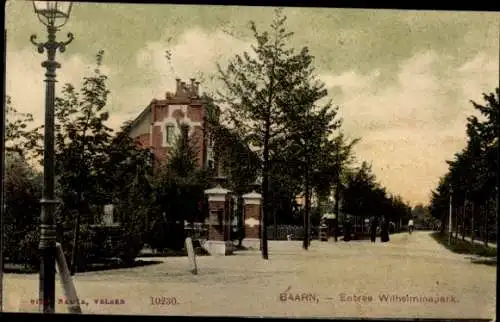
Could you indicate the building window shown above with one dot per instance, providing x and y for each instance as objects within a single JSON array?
[{"x": 169, "y": 133}]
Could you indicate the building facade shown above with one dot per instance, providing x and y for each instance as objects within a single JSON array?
[{"x": 158, "y": 126}]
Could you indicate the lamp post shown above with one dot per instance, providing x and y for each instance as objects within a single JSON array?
[{"x": 53, "y": 14}]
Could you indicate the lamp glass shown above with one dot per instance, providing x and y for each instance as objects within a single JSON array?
[{"x": 53, "y": 13}]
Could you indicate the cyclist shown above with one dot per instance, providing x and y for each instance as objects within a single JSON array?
[{"x": 410, "y": 226}]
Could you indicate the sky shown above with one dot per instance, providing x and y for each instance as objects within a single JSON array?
[{"x": 403, "y": 79}]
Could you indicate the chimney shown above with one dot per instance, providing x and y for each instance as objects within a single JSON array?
[
  {"x": 168, "y": 95},
  {"x": 183, "y": 88},
  {"x": 197, "y": 88},
  {"x": 192, "y": 88},
  {"x": 177, "y": 86}
]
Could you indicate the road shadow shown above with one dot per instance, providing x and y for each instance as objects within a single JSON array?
[
  {"x": 118, "y": 264},
  {"x": 102, "y": 265},
  {"x": 480, "y": 253}
]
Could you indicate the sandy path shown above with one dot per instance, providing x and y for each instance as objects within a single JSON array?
[{"x": 246, "y": 285}]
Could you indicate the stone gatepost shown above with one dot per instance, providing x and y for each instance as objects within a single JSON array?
[
  {"x": 252, "y": 217},
  {"x": 219, "y": 224},
  {"x": 323, "y": 230}
]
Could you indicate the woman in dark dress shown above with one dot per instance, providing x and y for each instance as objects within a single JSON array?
[
  {"x": 347, "y": 229},
  {"x": 373, "y": 229},
  {"x": 384, "y": 231}
]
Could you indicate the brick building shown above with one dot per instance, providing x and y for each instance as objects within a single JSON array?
[{"x": 157, "y": 126}]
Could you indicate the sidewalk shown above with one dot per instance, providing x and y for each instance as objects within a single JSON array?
[{"x": 478, "y": 242}]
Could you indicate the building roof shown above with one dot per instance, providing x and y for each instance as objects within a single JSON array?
[
  {"x": 184, "y": 94},
  {"x": 139, "y": 118}
]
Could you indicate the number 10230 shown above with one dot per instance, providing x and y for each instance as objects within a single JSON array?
[{"x": 163, "y": 300}]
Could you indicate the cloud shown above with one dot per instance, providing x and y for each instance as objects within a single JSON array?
[
  {"x": 194, "y": 55},
  {"x": 410, "y": 120},
  {"x": 25, "y": 78},
  {"x": 412, "y": 124}
]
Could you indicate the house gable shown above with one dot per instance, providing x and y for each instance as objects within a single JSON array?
[{"x": 162, "y": 117}]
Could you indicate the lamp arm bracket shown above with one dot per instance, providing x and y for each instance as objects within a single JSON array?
[
  {"x": 40, "y": 46},
  {"x": 62, "y": 45},
  {"x": 50, "y": 45}
]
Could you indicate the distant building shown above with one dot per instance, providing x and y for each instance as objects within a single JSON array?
[{"x": 157, "y": 126}]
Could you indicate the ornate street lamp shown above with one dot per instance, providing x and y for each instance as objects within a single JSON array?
[{"x": 53, "y": 14}]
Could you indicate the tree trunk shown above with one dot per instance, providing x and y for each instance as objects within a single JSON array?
[
  {"x": 241, "y": 223},
  {"x": 473, "y": 215},
  {"x": 480, "y": 223},
  {"x": 464, "y": 211},
  {"x": 484, "y": 214},
  {"x": 486, "y": 222},
  {"x": 456, "y": 224},
  {"x": 275, "y": 224},
  {"x": 76, "y": 233},
  {"x": 337, "y": 195},
  {"x": 307, "y": 207},
  {"x": 265, "y": 186}
]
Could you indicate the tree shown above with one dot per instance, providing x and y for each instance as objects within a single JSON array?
[
  {"x": 472, "y": 173},
  {"x": 334, "y": 161},
  {"x": 179, "y": 187},
  {"x": 365, "y": 197},
  {"x": 239, "y": 163},
  {"x": 19, "y": 137},
  {"x": 234, "y": 155},
  {"x": 81, "y": 142},
  {"x": 23, "y": 190},
  {"x": 259, "y": 89},
  {"x": 357, "y": 195},
  {"x": 308, "y": 129},
  {"x": 129, "y": 168}
]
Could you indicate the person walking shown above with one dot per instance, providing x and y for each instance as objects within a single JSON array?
[
  {"x": 373, "y": 229},
  {"x": 335, "y": 228},
  {"x": 384, "y": 231},
  {"x": 410, "y": 226},
  {"x": 347, "y": 229}
]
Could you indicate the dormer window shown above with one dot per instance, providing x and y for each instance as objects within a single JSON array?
[{"x": 169, "y": 133}]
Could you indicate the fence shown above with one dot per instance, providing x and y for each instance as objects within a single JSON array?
[
  {"x": 479, "y": 225},
  {"x": 196, "y": 231},
  {"x": 200, "y": 231},
  {"x": 295, "y": 232}
]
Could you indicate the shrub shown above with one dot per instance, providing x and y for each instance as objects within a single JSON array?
[{"x": 22, "y": 210}]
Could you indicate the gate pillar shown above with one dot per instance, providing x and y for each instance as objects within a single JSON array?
[
  {"x": 219, "y": 222},
  {"x": 252, "y": 219}
]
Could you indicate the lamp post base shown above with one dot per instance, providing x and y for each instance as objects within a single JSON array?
[{"x": 47, "y": 280}]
